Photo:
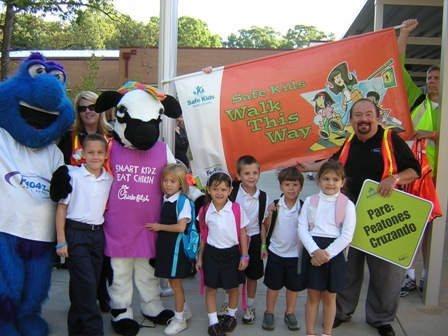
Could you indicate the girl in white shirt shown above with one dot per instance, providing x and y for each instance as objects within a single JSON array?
[
  {"x": 223, "y": 254},
  {"x": 325, "y": 240}
]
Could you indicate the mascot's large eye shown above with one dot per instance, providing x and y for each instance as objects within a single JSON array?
[
  {"x": 59, "y": 75},
  {"x": 121, "y": 111},
  {"x": 36, "y": 69}
]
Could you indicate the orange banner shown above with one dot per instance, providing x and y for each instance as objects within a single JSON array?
[{"x": 295, "y": 106}]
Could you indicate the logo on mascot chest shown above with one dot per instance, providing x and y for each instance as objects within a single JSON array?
[
  {"x": 32, "y": 182},
  {"x": 124, "y": 196}
]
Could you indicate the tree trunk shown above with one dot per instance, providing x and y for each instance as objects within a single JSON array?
[{"x": 7, "y": 32}]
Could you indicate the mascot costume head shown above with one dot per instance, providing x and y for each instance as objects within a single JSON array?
[{"x": 34, "y": 112}]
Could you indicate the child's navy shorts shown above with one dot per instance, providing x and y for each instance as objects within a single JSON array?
[
  {"x": 282, "y": 272},
  {"x": 254, "y": 270},
  {"x": 220, "y": 267}
]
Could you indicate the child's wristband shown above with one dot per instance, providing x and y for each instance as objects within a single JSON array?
[
  {"x": 264, "y": 246},
  {"x": 245, "y": 257},
  {"x": 61, "y": 245}
]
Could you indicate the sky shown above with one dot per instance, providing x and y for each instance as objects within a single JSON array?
[{"x": 226, "y": 17}]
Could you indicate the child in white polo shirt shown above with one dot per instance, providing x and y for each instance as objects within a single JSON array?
[
  {"x": 283, "y": 252},
  {"x": 80, "y": 237}
]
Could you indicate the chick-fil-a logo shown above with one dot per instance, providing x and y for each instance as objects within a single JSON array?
[{"x": 124, "y": 196}]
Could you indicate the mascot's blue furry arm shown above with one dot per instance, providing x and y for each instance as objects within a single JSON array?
[{"x": 34, "y": 112}]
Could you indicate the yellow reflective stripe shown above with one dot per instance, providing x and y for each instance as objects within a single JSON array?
[
  {"x": 389, "y": 154},
  {"x": 76, "y": 142}
]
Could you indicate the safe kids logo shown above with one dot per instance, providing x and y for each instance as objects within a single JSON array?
[
  {"x": 31, "y": 182},
  {"x": 201, "y": 97}
]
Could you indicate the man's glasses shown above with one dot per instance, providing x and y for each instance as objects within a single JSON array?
[{"x": 82, "y": 109}]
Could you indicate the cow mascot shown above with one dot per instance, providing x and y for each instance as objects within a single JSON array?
[
  {"x": 34, "y": 112},
  {"x": 136, "y": 161}
]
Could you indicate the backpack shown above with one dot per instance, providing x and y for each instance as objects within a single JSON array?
[
  {"x": 190, "y": 237},
  {"x": 236, "y": 209},
  {"x": 274, "y": 221},
  {"x": 261, "y": 200},
  {"x": 341, "y": 204}
]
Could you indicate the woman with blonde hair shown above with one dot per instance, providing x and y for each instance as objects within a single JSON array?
[{"x": 87, "y": 121}]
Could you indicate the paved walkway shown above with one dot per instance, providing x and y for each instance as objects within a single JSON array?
[{"x": 413, "y": 318}]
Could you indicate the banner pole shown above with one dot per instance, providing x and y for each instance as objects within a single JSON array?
[{"x": 188, "y": 75}]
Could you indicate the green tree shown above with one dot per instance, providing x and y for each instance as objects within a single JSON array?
[
  {"x": 301, "y": 36},
  {"x": 32, "y": 32},
  {"x": 135, "y": 33},
  {"x": 89, "y": 80},
  {"x": 195, "y": 33},
  {"x": 65, "y": 9},
  {"x": 267, "y": 37},
  {"x": 255, "y": 37},
  {"x": 91, "y": 30}
]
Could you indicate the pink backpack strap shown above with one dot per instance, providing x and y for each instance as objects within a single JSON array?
[
  {"x": 203, "y": 228},
  {"x": 314, "y": 202},
  {"x": 341, "y": 204}
]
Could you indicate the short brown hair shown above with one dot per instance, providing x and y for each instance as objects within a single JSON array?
[
  {"x": 246, "y": 160},
  {"x": 290, "y": 173},
  {"x": 95, "y": 137}
]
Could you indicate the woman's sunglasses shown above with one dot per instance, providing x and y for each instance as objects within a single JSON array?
[{"x": 82, "y": 109}]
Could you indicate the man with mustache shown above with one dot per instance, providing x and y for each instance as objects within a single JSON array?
[{"x": 365, "y": 156}]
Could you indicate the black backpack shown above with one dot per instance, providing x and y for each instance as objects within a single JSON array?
[
  {"x": 261, "y": 200},
  {"x": 274, "y": 221}
]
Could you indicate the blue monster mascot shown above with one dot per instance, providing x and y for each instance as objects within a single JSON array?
[{"x": 34, "y": 112}]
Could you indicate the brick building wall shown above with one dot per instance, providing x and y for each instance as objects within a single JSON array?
[{"x": 141, "y": 64}]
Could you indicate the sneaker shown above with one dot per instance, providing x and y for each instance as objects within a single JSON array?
[
  {"x": 249, "y": 316},
  {"x": 268, "y": 321},
  {"x": 310, "y": 177},
  {"x": 187, "y": 314},
  {"x": 175, "y": 326},
  {"x": 421, "y": 285},
  {"x": 407, "y": 285},
  {"x": 223, "y": 310},
  {"x": 228, "y": 324},
  {"x": 215, "y": 330},
  {"x": 291, "y": 321}
]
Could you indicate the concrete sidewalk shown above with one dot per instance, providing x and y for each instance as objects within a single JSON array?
[{"x": 413, "y": 318}]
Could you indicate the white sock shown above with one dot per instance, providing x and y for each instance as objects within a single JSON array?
[
  {"x": 185, "y": 306},
  {"x": 179, "y": 316},
  {"x": 232, "y": 312},
  {"x": 226, "y": 298},
  {"x": 411, "y": 273},
  {"x": 423, "y": 274},
  {"x": 213, "y": 318},
  {"x": 250, "y": 302}
]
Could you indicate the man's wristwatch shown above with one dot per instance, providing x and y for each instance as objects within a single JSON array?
[{"x": 396, "y": 177}]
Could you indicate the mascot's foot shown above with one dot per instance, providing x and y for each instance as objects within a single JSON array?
[
  {"x": 32, "y": 326},
  {"x": 9, "y": 329},
  {"x": 126, "y": 327},
  {"x": 162, "y": 318}
]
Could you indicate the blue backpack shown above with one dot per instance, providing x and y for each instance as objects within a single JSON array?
[{"x": 190, "y": 237}]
